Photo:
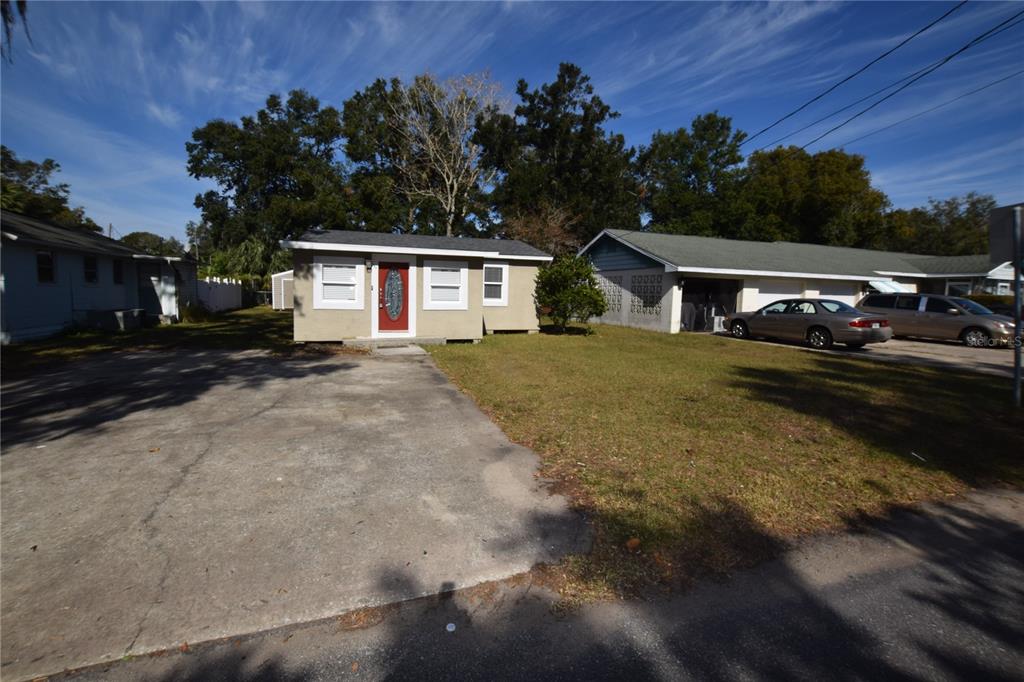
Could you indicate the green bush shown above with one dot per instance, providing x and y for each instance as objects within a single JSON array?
[{"x": 567, "y": 290}]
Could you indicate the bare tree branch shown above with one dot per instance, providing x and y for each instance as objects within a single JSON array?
[{"x": 441, "y": 162}]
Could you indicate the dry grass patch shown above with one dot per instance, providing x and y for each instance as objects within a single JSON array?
[{"x": 696, "y": 454}]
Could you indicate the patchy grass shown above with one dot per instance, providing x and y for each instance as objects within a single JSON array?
[
  {"x": 260, "y": 327},
  {"x": 696, "y": 454}
]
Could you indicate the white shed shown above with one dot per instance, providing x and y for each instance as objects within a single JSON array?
[{"x": 282, "y": 291}]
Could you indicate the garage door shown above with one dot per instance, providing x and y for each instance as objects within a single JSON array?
[
  {"x": 847, "y": 292},
  {"x": 769, "y": 290}
]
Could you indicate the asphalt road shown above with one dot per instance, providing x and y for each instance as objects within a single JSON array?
[{"x": 932, "y": 594}]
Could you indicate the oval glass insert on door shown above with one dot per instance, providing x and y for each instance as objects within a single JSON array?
[{"x": 393, "y": 294}]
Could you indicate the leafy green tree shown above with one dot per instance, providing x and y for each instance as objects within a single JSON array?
[
  {"x": 690, "y": 177},
  {"x": 957, "y": 226},
  {"x": 27, "y": 188},
  {"x": 153, "y": 244},
  {"x": 555, "y": 150},
  {"x": 567, "y": 289},
  {"x": 824, "y": 198},
  {"x": 375, "y": 147},
  {"x": 276, "y": 173}
]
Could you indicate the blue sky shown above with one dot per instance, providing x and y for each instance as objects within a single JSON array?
[{"x": 113, "y": 90}]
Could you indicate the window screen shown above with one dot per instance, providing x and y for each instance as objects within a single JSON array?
[{"x": 494, "y": 281}]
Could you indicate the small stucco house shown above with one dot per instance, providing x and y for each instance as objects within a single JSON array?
[
  {"x": 53, "y": 278},
  {"x": 368, "y": 286},
  {"x": 670, "y": 282}
]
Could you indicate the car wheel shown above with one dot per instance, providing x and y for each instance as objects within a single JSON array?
[
  {"x": 976, "y": 338},
  {"x": 819, "y": 338},
  {"x": 739, "y": 329}
]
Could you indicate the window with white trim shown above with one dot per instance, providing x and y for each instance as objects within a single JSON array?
[
  {"x": 338, "y": 283},
  {"x": 445, "y": 285},
  {"x": 496, "y": 284}
]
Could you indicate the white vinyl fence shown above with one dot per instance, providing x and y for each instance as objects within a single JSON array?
[{"x": 220, "y": 293}]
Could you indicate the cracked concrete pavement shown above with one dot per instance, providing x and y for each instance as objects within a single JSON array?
[{"x": 155, "y": 498}]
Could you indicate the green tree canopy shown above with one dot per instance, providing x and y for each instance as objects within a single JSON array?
[
  {"x": 27, "y": 188},
  {"x": 690, "y": 177},
  {"x": 276, "y": 173},
  {"x": 153, "y": 244},
  {"x": 822, "y": 198},
  {"x": 957, "y": 226},
  {"x": 554, "y": 150}
]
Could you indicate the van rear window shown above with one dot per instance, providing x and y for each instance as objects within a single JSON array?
[{"x": 880, "y": 301}]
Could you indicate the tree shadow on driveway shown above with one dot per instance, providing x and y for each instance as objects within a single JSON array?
[
  {"x": 83, "y": 396},
  {"x": 844, "y": 608}
]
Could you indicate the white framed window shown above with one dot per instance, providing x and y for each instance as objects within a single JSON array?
[
  {"x": 445, "y": 285},
  {"x": 338, "y": 283},
  {"x": 495, "y": 284}
]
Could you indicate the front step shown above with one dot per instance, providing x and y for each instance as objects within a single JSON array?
[{"x": 374, "y": 344}]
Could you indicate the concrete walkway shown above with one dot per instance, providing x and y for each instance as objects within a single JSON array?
[
  {"x": 151, "y": 499},
  {"x": 933, "y": 594}
]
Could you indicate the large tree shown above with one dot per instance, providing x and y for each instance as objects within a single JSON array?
[
  {"x": 28, "y": 188},
  {"x": 957, "y": 226},
  {"x": 553, "y": 149},
  {"x": 440, "y": 161},
  {"x": 824, "y": 198},
  {"x": 276, "y": 172},
  {"x": 690, "y": 177},
  {"x": 374, "y": 147}
]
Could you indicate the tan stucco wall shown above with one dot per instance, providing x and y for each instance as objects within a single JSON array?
[
  {"x": 340, "y": 325},
  {"x": 452, "y": 324},
  {"x": 521, "y": 312},
  {"x": 325, "y": 325}
]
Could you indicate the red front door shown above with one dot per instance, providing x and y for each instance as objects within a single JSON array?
[{"x": 393, "y": 297}]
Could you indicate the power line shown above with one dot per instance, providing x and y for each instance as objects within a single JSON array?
[
  {"x": 877, "y": 92},
  {"x": 906, "y": 85},
  {"x": 937, "y": 106},
  {"x": 855, "y": 73}
]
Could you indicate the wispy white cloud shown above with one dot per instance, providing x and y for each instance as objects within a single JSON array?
[{"x": 164, "y": 114}]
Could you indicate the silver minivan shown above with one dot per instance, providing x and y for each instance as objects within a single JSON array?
[{"x": 941, "y": 317}]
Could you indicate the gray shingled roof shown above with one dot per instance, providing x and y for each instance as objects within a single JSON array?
[
  {"x": 504, "y": 247},
  {"x": 733, "y": 254},
  {"x": 34, "y": 231},
  {"x": 951, "y": 265}
]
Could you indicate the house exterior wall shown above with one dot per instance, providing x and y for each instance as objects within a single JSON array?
[
  {"x": 33, "y": 309},
  {"x": 312, "y": 324},
  {"x": 648, "y": 298},
  {"x": 521, "y": 311},
  {"x": 757, "y": 292}
]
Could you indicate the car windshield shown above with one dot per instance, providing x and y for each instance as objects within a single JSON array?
[
  {"x": 837, "y": 307},
  {"x": 972, "y": 307}
]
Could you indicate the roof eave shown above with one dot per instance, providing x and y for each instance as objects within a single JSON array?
[{"x": 406, "y": 250}]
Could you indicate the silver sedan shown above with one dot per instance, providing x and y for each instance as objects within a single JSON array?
[{"x": 818, "y": 322}]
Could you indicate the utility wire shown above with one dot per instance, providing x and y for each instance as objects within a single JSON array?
[
  {"x": 937, "y": 106},
  {"x": 877, "y": 92},
  {"x": 855, "y": 73},
  {"x": 906, "y": 85}
]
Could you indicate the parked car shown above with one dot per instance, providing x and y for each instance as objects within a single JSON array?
[
  {"x": 941, "y": 317},
  {"x": 818, "y": 322}
]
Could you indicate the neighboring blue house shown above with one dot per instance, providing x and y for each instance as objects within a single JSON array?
[{"x": 55, "y": 278}]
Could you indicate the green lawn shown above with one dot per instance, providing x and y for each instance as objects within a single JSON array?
[
  {"x": 260, "y": 327},
  {"x": 696, "y": 454}
]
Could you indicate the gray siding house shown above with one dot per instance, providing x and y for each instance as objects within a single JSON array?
[
  {"x": 54, "y": 278},
  {"x": 670, "y": 282}
]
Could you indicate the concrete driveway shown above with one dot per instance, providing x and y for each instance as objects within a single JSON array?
[
  {"x": 995, "y": 361},
  {"x": 151, "y": 499},
  {"x": 948, "y": 354}
]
